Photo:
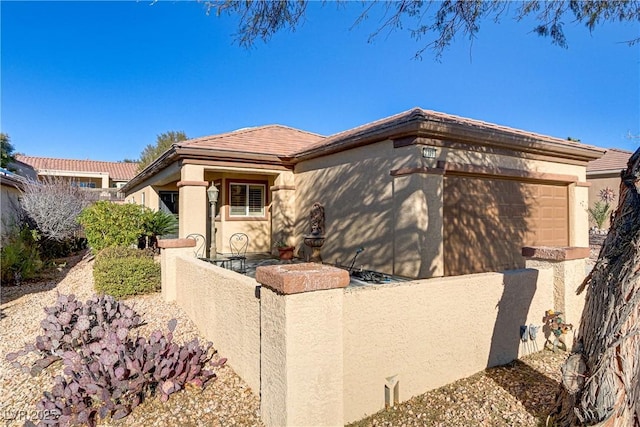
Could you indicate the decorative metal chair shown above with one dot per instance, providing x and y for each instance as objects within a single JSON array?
[
  {"x": 199, "y": 250},
  {"x": 239, "y": 242}
]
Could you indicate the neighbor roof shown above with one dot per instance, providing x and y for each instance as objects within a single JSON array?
[
  {"x": 119, "y": 171},
  {"x": 275, "y": 140},
  {"x": 613, "y": 160}
]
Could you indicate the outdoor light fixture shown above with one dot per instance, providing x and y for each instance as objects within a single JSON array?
[
  {"x": 212, "y": 194},
  {"x": 429, "y": 152}
]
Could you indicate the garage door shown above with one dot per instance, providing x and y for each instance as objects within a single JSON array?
[{"x": 487, "y": 222}]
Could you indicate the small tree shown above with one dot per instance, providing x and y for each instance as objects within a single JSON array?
[
  {"x": 164, "y": 141},
  {"x": 6, "y": 150},
  {"x": 54, "y": 205}
]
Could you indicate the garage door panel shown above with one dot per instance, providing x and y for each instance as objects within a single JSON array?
[{"x": 488, "y": 221}]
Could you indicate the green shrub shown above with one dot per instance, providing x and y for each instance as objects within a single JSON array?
[
  {"x": 19, "y": 257},
  {"x": 123, "y": 272},
  {"x": 108, "y": 224}
]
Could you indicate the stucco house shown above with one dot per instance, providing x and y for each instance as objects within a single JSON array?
[
  {"x": 604, "y": 174},
  {"x": 426, "y": 194},
  {"x": 104, "y": 178}
]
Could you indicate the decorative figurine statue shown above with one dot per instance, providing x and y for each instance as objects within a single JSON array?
[{"x": 317, "y": 219}]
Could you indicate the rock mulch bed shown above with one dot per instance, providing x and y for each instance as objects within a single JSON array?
[
  {"x": 226, "y": 400},
  {"x": 519, "y": 394}
]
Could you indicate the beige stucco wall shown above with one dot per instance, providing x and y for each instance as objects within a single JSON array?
[
  {"x": 429, "y": 333},
  {"x": 224, "y": 307},
  {"x": 567, "y": 277},
  {"x": 398, "y": 219},
  {"x": 599, "y": 183},
  {"x": 356, "y": 189},
  {"x": 302, "y": 347}
]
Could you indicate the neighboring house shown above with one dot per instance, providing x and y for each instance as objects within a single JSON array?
[
  {"x": 604, "y": 174},
  {"x": 426, "y": 194},
  {"x": 11, "y": 187},
  {"x": 104, "y": 178}
]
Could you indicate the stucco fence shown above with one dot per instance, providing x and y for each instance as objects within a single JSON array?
[{"x": 320, "y": 353}]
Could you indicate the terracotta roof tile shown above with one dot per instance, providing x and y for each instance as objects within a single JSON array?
[
  {"x": 613, "y": 159},
  {"x": 436, "y": 116},
  {"x": 271, "y": 139},
  {"x": 116, "y": 170}
]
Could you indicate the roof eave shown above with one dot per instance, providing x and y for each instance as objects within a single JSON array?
[
  {"x": 153, "y": 168},
  {"x": 422, "y": 125}
]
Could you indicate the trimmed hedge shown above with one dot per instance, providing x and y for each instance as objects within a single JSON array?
[{"x": 124, "y": 272}]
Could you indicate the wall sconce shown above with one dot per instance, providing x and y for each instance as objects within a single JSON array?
[{"x": 429, "y": 152}]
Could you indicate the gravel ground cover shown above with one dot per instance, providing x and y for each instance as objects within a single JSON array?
[
  {"x": 518, "y": 394},
  {"x": 226, "y": 401}
]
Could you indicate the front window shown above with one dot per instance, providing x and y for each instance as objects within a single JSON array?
[{"x": 246, "y": 200}]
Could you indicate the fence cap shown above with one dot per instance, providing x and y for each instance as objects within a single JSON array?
[
  {"x": 297, "y": 278},
  {"x": 176, "y": 243},
  {"x": 555, "y": 253}
]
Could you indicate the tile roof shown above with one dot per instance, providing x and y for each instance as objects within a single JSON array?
[
  {"x": 613, "y": 160},
  {"x": 271, "y": 139},
  {"x": 436, "y": 116},
  {"x": 116, "y": 170}
]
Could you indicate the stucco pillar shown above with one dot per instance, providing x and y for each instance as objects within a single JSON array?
[
  {"x": 169, "y": 250},
  {"x": 418, "y": 221},
  {"x": 569, "y": 270},
  {"x": 105, "y": 181},
  {"x": 578, "y": 214},
  {"x": 193, "y": 204},
  {"x": 283, "y": 211},
  {"x": 301, "y": 379}
]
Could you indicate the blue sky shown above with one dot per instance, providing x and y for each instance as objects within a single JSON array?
[{"x": 99, "y": 80}]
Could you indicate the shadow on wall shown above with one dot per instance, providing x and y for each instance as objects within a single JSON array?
[
  {"x": 486, "y": 218},
  {"x": 513, "y": 309}
]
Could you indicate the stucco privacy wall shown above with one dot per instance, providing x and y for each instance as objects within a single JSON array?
[
  {"x": 415, "y": 336},
  {"x": 224, "y": 307},
  {"x": 429, "y": 333}
]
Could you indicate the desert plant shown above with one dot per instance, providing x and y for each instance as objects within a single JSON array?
[
  {"x": 70, "y": 324},
  {"x": 123, "y": 272},
  {"x": 108, "y": 224},
  {"x": 157, "y": 223},
  {"x": 107, "y": 373},
  {"x": 19, "y": 257},
  {"x": 599, "y": 213}
]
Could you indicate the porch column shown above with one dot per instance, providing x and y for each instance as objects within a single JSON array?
[
  {"x": 283, "y": 198},
  {"x": 418, "y": 218},
  {"x": 105, "y": 181},
  {"x": 193, "y": 204}
]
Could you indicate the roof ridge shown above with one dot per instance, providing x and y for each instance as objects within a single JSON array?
[
  {"x": 247, "y": 130},
  {"x": 73, "y": 160}
]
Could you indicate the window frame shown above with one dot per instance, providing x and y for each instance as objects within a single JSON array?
[{"x": 246, "y": 216}]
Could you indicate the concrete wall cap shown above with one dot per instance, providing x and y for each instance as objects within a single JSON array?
[
  {"x": 176, "y": 243},
  {"x": 297, "y": 278},
  {"x": 555, "y": 253}
]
